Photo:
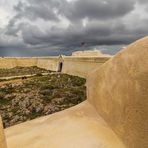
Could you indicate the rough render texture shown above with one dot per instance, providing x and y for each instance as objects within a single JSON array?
[
  {"x": 48, "y": 63},
  {"x": 82, "y": 66},
  {"x": 114, "y": 116},
  {"x": 13, "y": 62},
  {"x": 119, "y": 92}
]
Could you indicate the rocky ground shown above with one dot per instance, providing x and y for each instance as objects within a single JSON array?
[
  {"x": 38, "y": 96},
  {"x": 17, "y": 71}
]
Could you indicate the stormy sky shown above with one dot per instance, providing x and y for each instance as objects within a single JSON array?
[{"x": 53, "y": 27}]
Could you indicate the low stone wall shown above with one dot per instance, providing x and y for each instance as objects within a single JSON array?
[
  {"x": 26, "y": 62},
  {"x": 7, "y": 62},
  {"x": 50, "y": 63},
  {"x": 13, "y": 62},
  {"x": 82, "y": 66}
]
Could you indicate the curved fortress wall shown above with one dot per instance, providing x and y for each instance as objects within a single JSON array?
[{"x": 119, "y": 92}]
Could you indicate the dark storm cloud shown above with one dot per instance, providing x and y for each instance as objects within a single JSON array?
[
  {"x": 143, "y": 1},
  {"x": 95, "y": 9},
  {"x": 115, "y": 34},
  {"x": 36, "y": 10},
  {"x": 95, "y": 22}
]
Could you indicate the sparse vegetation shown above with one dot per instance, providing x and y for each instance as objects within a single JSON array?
[
  {"x": 38, "y": 96},
  {"x": 17, "y": 71}
]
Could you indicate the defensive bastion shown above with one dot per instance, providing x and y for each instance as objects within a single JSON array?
[{"x": 114, "y": 114}]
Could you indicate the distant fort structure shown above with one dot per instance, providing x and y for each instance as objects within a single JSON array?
[
  {"x": 115, "y": 114},
  {"x": 90, "y": 53}
]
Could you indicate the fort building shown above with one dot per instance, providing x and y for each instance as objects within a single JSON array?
[{"x": 114, "y": 114}]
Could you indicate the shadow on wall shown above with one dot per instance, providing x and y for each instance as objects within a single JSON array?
[{"x": 60, "y": 66}]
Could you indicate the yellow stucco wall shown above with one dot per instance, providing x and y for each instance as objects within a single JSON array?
[
  {"x": 79, "y": 66},
  {"x": 7, "y": 62},
  {"x": 82, "y": 66},
  {"x": 13, "y": 62},
  {"x": 50, "y": 63},
  {"x": 119, "y": 92},
  {"x": 26, "y": 62}
]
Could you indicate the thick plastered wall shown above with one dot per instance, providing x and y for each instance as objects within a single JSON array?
[
  {"x": 119, "y": 92},
  {"x": 13, "y": 62},
  {"x": 2, "y": 137},
  {"x": 50, "y": 63},
  {"x": 7, "y": 62},
  {"x": 81, "y": 66},
  {"x": 26, "y": 62}
]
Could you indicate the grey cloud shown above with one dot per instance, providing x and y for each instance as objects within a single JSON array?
[
  {"x": 105, "y": 26},
  {"x": 34, "y": 10},
  {"x": 95, "y": 33},
  {"x": 142, "y": 1},
  {"x": 94, "y": 9}
]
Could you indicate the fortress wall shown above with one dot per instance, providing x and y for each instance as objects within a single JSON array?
[
  {"x": 13, "y": 62},
  {"x": 50, "y": 63},
  {"x": 119, "y": 92},
  {"x": 26, "y": 62},
  {"x": 7, "y": 62},
  {"x": 81, "y": 66}
]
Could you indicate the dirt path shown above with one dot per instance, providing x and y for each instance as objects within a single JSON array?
[
  {"x": 10, "y": 81},
  {"x": 16, "y": 79}
]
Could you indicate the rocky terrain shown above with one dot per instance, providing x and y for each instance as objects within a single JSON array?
[
  {"x": 38, "y": 96},
  {"x": 17, "y": 71}
]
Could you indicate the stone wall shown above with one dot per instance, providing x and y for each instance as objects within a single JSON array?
[
  {"x": 26, "y": 62},
  {"x": 82, "y": 66},
  {"x": 13, "y": 62},
  {"x": 79, "y": 66},
  {"x": 7, "y": 62},
  {"x": 50, "y": 63}
]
